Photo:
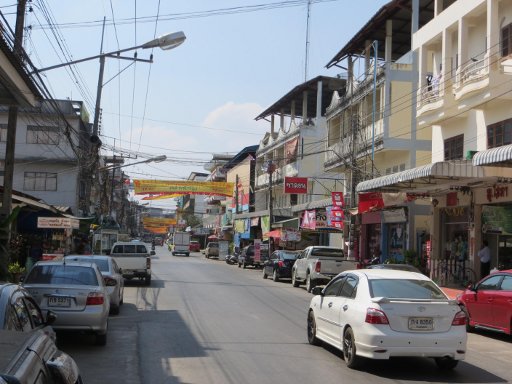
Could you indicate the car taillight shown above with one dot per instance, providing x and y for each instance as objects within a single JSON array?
[
  {"x": 376, "y": 316},
  {"x": 318, "y": 266},
  {"x": 359, "y": 266},
  {"x": 280, "y": 264},
  {"x": 95, "y": 298},
  {"x": 459, "y": 319},
  {"x": 148, "y": 263},
  {"x": 110, "y": 282}
]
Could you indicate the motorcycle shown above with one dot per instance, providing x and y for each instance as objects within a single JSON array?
[{"x": 232, "y": 259}]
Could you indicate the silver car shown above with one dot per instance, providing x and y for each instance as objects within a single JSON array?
[
  {"x": 75, "y": 291},
  {"x": 112, "y": 275}
]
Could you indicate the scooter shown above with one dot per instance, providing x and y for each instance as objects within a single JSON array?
[{"x": 232, "y": 259}]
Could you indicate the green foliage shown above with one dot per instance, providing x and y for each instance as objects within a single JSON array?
[
  {"x": 5, "y": 230},
  {"x": 16, "y": 267}
]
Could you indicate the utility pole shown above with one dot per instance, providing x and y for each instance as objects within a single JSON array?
[
  {"x": 236, "y": 191},
  {"x": 270, "y": 170},
  {"x": 10, "y": 146}
]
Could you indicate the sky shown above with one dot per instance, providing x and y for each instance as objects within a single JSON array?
[{"x": 196, "y": 100}]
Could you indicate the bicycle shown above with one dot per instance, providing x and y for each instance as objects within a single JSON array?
[{"x": 455, "y": 273}]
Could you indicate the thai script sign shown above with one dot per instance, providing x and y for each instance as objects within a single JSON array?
[
  {"x": 297, "y": 185},
  {"x": 145, "y": 187},
  {"x": 57, "y": 222}
]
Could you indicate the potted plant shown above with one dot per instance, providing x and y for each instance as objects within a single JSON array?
[{"x": 16, "y": 270}]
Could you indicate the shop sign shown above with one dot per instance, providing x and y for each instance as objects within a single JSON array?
[
  {"x": 290, "y": 234},
  {"x": 296, "y": 185},
  {"x": 394, "y": 216},
  {"x": 337, "y": 199},
  {"x": 496, "y": 192},
  {"x": 57, "y": 222}
]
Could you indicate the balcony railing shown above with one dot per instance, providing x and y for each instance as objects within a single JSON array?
[
  {"x": 289, "y": 170},
  {"x": 473, "y": 72}
]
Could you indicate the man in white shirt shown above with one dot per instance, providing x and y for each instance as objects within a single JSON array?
[{"x": 484, "y": 255}]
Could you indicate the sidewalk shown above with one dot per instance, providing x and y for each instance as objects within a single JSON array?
[{"x": 451, "y": 292}]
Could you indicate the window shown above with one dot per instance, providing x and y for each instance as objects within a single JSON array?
[
  {"x": 499, "y": 134},
  {"x": 334, "y": 287},
  {"x": 490, "y": 284},
  {"x": 22, "y": 313},
  {"x": 3, "y": 133},
  {"x": 293, "y": 199},
  {"x": 506, "y": 40},
  {"x": 35, "y": 313},
  {"x": 349, "y": 288},
  {"x": 506, "y": 284},
  {"x": 40, "y": 181},
  {"x": 454, "y": 148},
  {"x": 42, "y": 135}
]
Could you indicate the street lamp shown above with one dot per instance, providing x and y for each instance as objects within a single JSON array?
[{"x": 165, "y": 42}]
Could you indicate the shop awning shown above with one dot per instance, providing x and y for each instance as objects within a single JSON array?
[
  {"x": 312, "y": 205},
  {"x": 435, "y": 176},
  {"x": 500, "y": 156}
]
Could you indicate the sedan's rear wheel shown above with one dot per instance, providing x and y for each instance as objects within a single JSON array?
[
  {"x": 101, "y": 339},
  {"x": 275, "y": 276},
  {"x": 114, "y": 309},
  {"x": 312, "y": 339},
  {"x": 446, "y": 363},
  {"x": 349, "y": 349},
  {"x": 264, "y": 273},
  {"x": 309, "y": 283}
]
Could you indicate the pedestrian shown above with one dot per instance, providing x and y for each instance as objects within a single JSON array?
[{"x": 484, "y": 254}]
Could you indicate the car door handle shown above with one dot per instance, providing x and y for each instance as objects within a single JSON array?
[
  {"x": 345, "y": 307},
  {"x": 330, "y": 304}
]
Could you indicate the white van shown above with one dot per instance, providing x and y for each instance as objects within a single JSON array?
[{"x": 134, "y": 259}]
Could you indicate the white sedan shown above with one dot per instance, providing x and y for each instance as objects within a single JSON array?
[{"x": 378, "y": 314}]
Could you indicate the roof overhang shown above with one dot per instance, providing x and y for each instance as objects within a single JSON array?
[
  {"x": 498, "y": 157},
  {"x": 317, "y": 204},
  {"x": 435, "y": 177}
]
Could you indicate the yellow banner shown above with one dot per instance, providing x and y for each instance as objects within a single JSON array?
[
  {"x": 162, "y": 196},
  {"x": 158, "y": 221},
  {"x": 145, "y": 187}
]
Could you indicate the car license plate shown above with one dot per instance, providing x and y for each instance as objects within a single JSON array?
[
  {"x": 421, "y": 323},
  {"x": 57, "y": 301}
]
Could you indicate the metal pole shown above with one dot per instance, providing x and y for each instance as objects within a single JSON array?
[
  {"x": 270, "y": 204},
  {"x": 375, "y": 46}
]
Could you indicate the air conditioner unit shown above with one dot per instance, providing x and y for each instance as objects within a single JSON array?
[{"x": 470, "y": 154}]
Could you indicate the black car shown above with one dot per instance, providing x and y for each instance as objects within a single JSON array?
[
  {"x": 280, "y": 264},
  {"x": 246, "y": 257},
  {"x": 19, "y": 311}
]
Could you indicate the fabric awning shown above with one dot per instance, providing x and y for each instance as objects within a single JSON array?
[
  {"x": 432, "y": 176},
  {"x": 500, "y": 156}
]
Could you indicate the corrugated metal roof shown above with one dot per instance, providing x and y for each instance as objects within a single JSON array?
[
  {"x": 440, "y": 173},
  {"x": 499, "y": 156}
]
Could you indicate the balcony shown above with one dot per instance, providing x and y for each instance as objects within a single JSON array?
[
  {"x": 430, "y": 97},
  {"x": 289, "y": 170},
  {"x": 471, "y": 77}
]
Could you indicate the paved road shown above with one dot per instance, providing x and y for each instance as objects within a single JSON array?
[{"x": 203, "y": 321}]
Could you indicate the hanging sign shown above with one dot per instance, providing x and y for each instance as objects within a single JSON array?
[
  {"x": 296, "y": 185},
  {"x": 338, "y": 199},
  {"x": 145, "y": 187},
  {"x": 57, "y": 222}
]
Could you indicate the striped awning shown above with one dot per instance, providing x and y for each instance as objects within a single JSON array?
[
  {"x": 500, "y": 156},
  {"x": 434, "y": 175}
]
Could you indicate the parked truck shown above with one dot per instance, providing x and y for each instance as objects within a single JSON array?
[
  {"x": 181, "y": 243},
  {"x": 317, "y": 265},
  {"x": 134, "y": 259}
]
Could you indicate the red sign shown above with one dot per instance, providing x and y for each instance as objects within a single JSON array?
[
  {"x": 298, "y": 185},
  {"x": 337, "y": 199}
]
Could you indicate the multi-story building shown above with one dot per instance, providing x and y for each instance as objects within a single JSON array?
[
  {"x": 291, "y": 149},
  {"x": 462, "y": 98},
  {"x": 194, "y": 205},
  {"x": 51, "y": 153}
]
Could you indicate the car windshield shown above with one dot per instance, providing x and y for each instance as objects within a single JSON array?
[
  {"x": 405, "y": 289},
  {"x": 214, "y": 245},
  {"x": 62, "y": 274},
  {"x": 101, "y": 263},
  {"x": 289, "y": 255},
  {"x": 327, "y": 252}
]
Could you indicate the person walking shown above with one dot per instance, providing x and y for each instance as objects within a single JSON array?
[{"x": 484, "y": 255}]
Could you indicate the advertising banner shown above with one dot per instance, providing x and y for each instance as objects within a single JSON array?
[
  {"x": 337, "y": 199},
  {"x": 370, "y": 201},
  {"x": 290, "y": 149},
  {"x": 146, "y": 187},
  {"x": 309, "y": 220},
  {"x": 158, "y": 221},
  {"x": 297, "y": 185}
]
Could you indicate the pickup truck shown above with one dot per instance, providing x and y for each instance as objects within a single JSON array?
[
  {"x": 134, "y": 259},
  {"x": 33, "y": 357},
  {"x": 317, "y": 265}
]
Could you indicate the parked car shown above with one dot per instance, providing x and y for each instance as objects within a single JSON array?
[
  {"x": 317, "y": 265},
  {"x": 75, "y": 291},
  {"x": 20, "y": 312},
  {"x": 280, "y": 264},
  {"x": 382, "y": 313},
  {"x": 488, "y": 303},
  {"x": 212, "y": 249},
  {"x": 112, "y": 275},
  {"x": 33, "y": 358},
  {"x": 194, "y": 246},
  {"x": 247, "y": 256},
  {"x": 400, "y": 267}
]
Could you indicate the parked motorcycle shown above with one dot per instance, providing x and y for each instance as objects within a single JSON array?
[{"x": 232, "y": 259}]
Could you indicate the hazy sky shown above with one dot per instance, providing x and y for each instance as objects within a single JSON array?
[{"x": 201, "y": 98}]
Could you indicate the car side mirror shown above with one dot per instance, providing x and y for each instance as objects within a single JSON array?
[
  {"x": 318, "y": 291},
  {"x": 50, "y": 317}
]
